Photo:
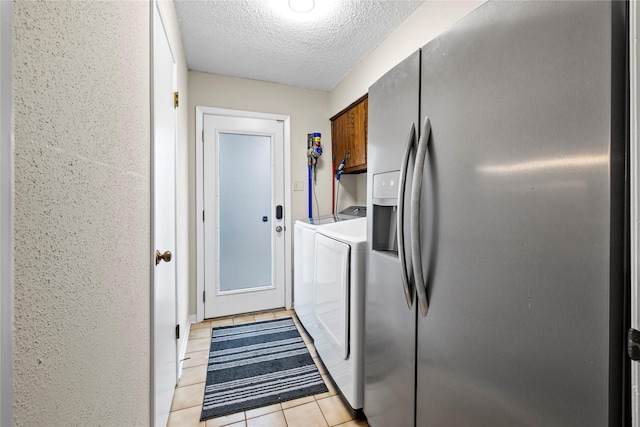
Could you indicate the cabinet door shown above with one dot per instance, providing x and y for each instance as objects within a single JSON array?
[
  {"x": 339, "y": 136},
  {"x": 349, "y": 137},
  {"x": 358, "y": 143}
]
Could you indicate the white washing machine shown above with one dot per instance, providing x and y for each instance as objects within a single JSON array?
[
  {"x": 304, "y": 263},
  {"x": 340, "y": 253}
]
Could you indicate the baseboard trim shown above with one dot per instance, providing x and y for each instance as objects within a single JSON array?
[{"x": 183, "y": 349}]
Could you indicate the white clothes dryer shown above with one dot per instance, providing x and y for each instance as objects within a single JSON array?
[
  {"x": 340, "y": 254},
  {"x": 304, "y": 263}
]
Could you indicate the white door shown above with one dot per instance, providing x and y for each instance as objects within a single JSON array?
[
  {"x": 243, "y": 214},
  {"x": 164, "y": 358}
]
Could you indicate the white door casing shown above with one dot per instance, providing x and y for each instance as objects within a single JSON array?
[
  {"x": 243, "y": 184},
  {"x": 244, "y": 301},
  {"x": 164, "y": 343}
]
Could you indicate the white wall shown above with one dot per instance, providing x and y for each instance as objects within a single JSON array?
[
  {"x": 422, "y": 26},
  {"x": 308, "y": 112},
  {"x": 427, "y": 22},
  {"x": 184, "y": 222},
  {"x": 82, "y": 213},
  {"x": 6, "y": 279}
]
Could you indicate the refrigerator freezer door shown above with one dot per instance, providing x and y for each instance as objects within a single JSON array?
[
  {"x": 525, "y": 173},
  {"x": 389, "y": 324}
]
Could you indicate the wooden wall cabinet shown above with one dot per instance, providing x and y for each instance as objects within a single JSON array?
[{"x": 349, "y": 136}]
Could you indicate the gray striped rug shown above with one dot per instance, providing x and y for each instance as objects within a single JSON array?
[{"x": 256, "y": 365}]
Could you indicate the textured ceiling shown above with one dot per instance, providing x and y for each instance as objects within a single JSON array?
[{"x": 265, "y": 40}]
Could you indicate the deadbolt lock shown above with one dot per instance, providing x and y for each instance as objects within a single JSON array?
[{"x": 279, "y": 229}]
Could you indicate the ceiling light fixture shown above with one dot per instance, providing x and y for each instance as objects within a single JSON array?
[{"x": 302, "y": 6}]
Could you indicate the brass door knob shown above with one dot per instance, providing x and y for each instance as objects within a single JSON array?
[{"x": 166, "y": 257}]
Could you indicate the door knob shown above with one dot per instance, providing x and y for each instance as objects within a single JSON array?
[
  {"x": 278, "y": 229},
  {"x": 166, "y": 257}
]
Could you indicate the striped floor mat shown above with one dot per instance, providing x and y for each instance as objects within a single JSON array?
[{"x": 255, "y": 365}]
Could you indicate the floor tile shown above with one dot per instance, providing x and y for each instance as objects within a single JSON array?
[
  {"x": 319, "y": 365},
  {"x": 275, "y": 419},
  {"x": 189, "y": 417},
  {"x": 329, "y": 384},
  {"x": 307, "y": 415},
  {"x": 284, "y": 313},
  {"x": 201, "y": 325},
  {"x": 241, "y": 320},
  {"x": 306, "y": 338},
  {"x": 216, "y": 323},
  {"x": 193, "y": 375},
  {"x": 325, "y": 409},
  {"x": 297, "y": 402},
  {"x": 200, "y": 333},
  {"x": 252, "y": 413},
  {"x": 312, "y": 350},
  {"x": 197, "y": 358},
  {"x": 187, "y": 396},
  {"x": 198, "y": 344},
  {"x": 334, "y": 410},
  {"x": 354, "y": 423},
  {"x": 260, "y": 317},
  {"x": 226, "y": 420}
]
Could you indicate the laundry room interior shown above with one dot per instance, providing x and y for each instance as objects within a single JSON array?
[{"x": 319, "y": 213}]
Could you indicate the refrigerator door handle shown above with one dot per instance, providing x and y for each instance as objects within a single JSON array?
[
  {"x": 416, "y": 194},
  {"x": 404, "y": 167}
]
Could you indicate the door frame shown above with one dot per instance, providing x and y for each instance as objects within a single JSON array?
[
  {"x": 201, "y": 111},
  {"x": 6, "y": 216}
]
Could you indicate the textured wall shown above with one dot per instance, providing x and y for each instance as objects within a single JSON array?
[{"x": 81, "y": 228}]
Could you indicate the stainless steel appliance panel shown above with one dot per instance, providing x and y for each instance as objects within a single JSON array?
[
  {"x": 389, "y": 323},
  {"x": 521, "y": 189}
]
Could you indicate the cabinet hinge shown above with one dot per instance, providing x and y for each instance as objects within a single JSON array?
[
  {"x": 633, "y": 344},
  {"x": 175, "y": 99},
  {"x": 202, "y": 135},
  {"x": 202, "y": 215},
  {"x": 177, "y": 332},
  {"x": 203, "y": 299}
]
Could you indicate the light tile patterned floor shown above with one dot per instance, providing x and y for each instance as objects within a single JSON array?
[{"x": 321, "y": 410}]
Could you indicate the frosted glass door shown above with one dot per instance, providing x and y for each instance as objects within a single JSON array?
[
  {"x": 245, "y": 222},
  {"x": 244, "y": 257}
]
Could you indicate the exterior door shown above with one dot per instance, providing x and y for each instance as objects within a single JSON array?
[
  {"x": 243, "y": 214},
  {"x": 164, "y": 357}
]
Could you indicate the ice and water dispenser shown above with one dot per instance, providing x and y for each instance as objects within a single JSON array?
[{"x": 385, "y": 208}]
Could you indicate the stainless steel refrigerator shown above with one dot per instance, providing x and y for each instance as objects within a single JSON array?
[{"x": 496, "y": 193}]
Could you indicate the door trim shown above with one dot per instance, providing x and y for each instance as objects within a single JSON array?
[{"x": 200, "y": 113}]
